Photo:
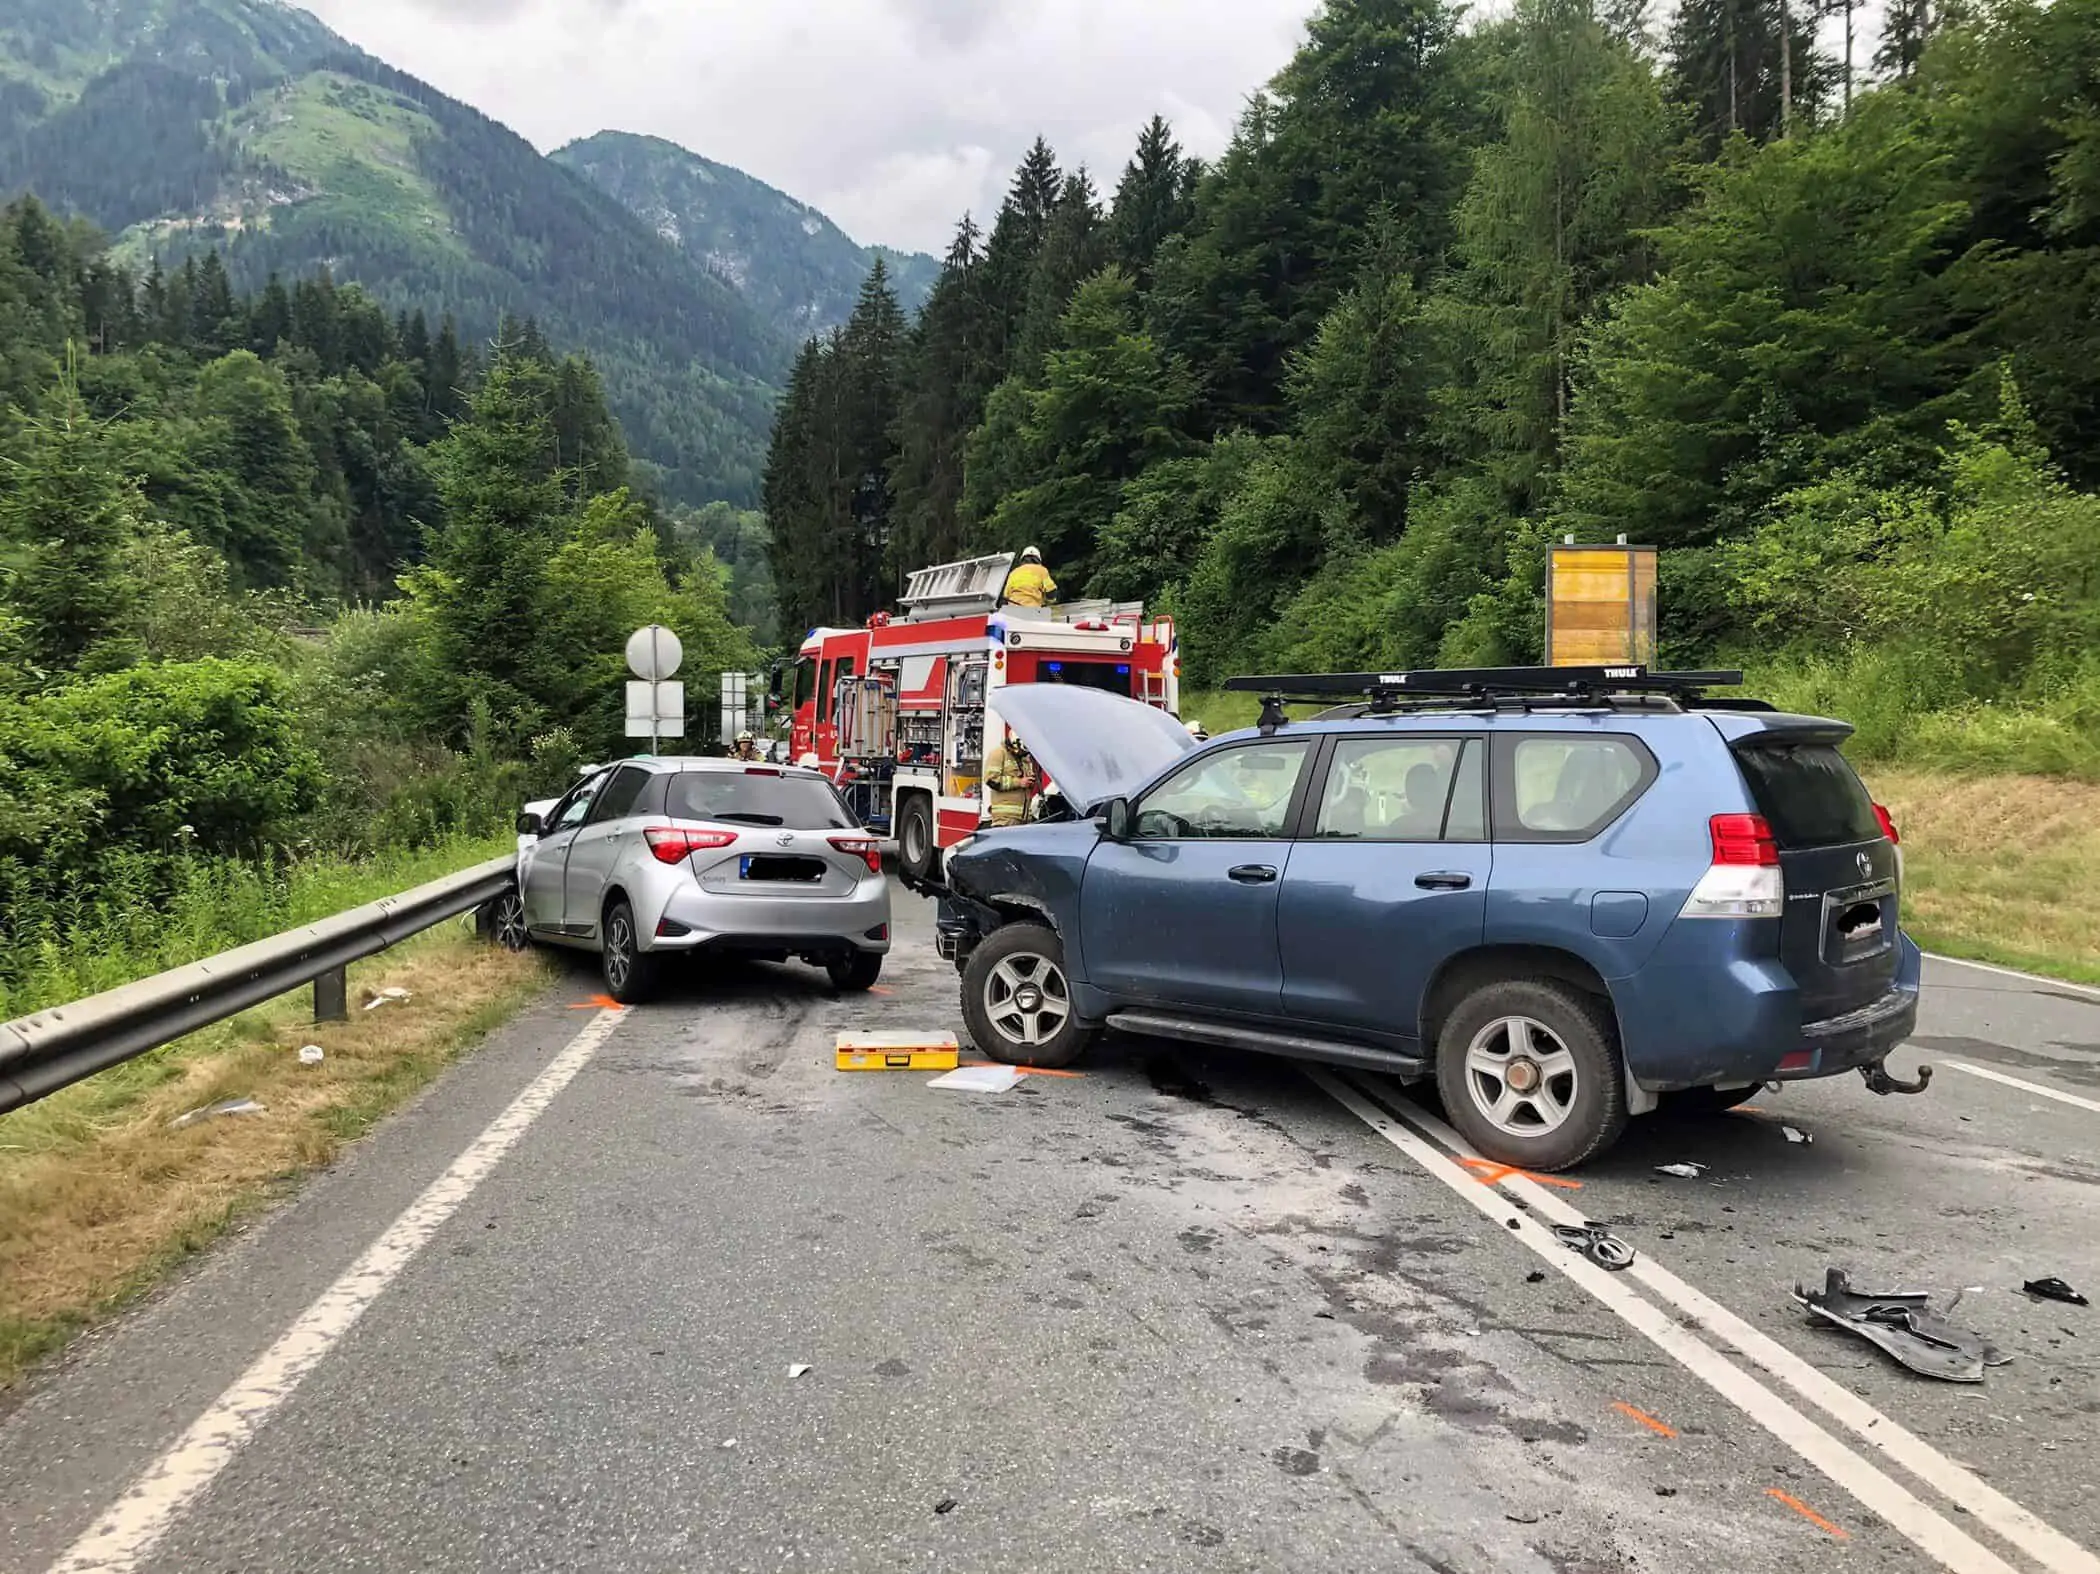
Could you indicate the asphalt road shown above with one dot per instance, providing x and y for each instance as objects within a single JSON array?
[{"x": 1188, "y": 1311}]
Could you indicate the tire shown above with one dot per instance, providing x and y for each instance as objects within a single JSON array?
[
  {"x": 856, "y": 973},
  {"x": 1012, "y": 989},
  {"x": 506, "y": 921},
  {"x": 631, "y": 974},
  {"x": 1573, "y": 1112},
  {"x": 917, "y": 849},
  {"x": 1694, "y": 1102}
]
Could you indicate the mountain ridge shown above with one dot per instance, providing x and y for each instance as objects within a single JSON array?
[{"x": 730, "y": 222}]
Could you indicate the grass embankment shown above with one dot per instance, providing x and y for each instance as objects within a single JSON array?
[
  {"x": 2000, "y": 868},
  {"x": 100, "y": 1194}
]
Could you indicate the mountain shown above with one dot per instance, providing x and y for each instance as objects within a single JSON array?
[
  {"x": 791, "y": 262},
  {"x": 249, "y": 127}
]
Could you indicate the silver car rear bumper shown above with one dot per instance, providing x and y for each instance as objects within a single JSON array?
[{"x": 709, "y": 919}]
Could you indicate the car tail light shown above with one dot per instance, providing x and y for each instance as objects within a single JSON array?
[
  {"x": 1743, "y": 880},
  {"x": 669, "y": 845},
  {"x": 1888, "y": 825},
  {"x": 863, "y": 847},
  {"x": 1743, "y": 839}
]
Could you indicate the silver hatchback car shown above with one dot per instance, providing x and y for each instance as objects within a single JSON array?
[{"x": 653, "y": 857}]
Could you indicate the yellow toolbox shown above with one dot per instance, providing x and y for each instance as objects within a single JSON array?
[{"x": 898, "y": 1052}]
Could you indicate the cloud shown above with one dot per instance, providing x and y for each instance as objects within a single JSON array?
[{"x": 893, "y": 116}]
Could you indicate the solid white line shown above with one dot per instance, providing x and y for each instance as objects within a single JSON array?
[
  {"x": 2013, "y": 972},
  {"x": 2025, "y": 1087},
  {"x": 1959, "y": 1485},
  {"x": 126, "y": 1535}
]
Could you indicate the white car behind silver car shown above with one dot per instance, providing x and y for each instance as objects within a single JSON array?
[{"x": 653, "y": 857}]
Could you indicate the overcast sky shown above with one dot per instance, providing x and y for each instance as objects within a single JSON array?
[{"x": 891, "y": 116}]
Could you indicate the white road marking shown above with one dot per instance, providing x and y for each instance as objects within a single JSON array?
[
  {"x": 2012, "y": 972},
  {"x": 2025, "y": 1087},
  {"x": 1934, "y": 1534},
  {"x": 1957, "y": 1483},
  {"x": 127, "y": 1534}
]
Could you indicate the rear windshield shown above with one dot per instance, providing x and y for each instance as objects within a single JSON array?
[
  {"x": 794, "y": 803},
  {"x": 1809, "y": 794},
  {"x": 1112, "y": 676}
]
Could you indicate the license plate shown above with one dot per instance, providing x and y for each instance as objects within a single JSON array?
[{"x": 743, "y": 867}]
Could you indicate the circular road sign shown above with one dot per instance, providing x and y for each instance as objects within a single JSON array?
[{"x": 654, "y": 653}]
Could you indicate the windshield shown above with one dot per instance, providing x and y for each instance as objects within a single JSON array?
[{"x": 792, "y": 803}]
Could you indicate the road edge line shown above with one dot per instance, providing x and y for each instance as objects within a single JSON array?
[
  {"x": 131, "y": 1529},
  {"x": 2020, "y": 1526},
  {"x": 2087, "y": 990},
  {"x": 2025, "y": 1087}
]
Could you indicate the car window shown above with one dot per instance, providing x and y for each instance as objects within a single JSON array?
[
  {"x": 571, "y": 811},
  {"x": 620, "y": 794},
  {"x": 1569, "y": 788},
  {"x": 834, "y": 675},
  {"x": 1809, "y": 794},
  {"x": 1235, "y": 793},
  {"x": 793, "y": 803},
  {"x": 1399, "y": 790}
]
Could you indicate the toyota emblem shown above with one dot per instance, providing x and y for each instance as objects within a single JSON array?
[
  {"x": 1866, "y": 864},
  {"x": 787, "y": 839}
]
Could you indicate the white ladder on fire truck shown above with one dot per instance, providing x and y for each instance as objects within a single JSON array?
[{"x": 964, "y": 588}]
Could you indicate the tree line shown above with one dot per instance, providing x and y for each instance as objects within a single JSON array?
[
  {"x": 284, "y": 574},
  {"x": 1451, "y": 294}
]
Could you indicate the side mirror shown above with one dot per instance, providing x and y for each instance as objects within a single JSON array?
[
  {"x": 529, "y": 825},
  {"x": 1117, "y": 820}
]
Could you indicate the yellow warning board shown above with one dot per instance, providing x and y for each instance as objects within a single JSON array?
[
  {"x": 1600, "y": 606},
  {"x": 898, "y": 1052}
]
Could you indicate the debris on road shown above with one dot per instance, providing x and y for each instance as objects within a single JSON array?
[
  {"x": 388, "y": 997},
  {"x": 1597, "y": 1243},
  {"x": 1536, "y": 1276},
  {"x": 798, "y": 1369},
  {"x": 979, "y": 1079},
  {"x": 1904, "y": 1325},
  {"x": 920, "y": 1051},
  {"x": 210, "y": 1111},
  {"x": 2054, "y": 1289},
  {"x": 947, "y": 1505},
  {"x": 1795, "y": 1134},
  {"x": 727, "y": 1442},
  {"x": 1682, "y": 1171},
  {"x": 311, "y": 1055}
]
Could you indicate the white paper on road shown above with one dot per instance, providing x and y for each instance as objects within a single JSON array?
[{"x": 978, "y": 1079}]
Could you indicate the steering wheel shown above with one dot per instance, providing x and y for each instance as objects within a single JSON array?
[
  {"x": 1210, "y": 819},
  {"x": 1163, "y": 825}
]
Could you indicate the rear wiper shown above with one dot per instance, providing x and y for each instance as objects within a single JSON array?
[{"x": 752, "y": 819}]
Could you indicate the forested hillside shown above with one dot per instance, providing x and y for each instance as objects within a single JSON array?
[
  {"x": 1826, "y": 332},
  {"x": 790, "y": 261},
  {"x": 244, "y": 126},
  {"x": 196, "y": 483}
]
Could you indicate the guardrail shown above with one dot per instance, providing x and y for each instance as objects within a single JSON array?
[{"x": 53, "y": 1049}]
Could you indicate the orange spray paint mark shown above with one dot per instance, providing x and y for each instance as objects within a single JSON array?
[
  {"x": 1806, "y": 1512},
  {"x": 1489, "y": 1173},
  {"x": 1659, "y": 1428},
  {"x": 597, "y": 1003}
]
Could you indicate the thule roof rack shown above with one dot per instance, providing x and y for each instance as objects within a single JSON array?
[{"x": 1513, "y": 687}]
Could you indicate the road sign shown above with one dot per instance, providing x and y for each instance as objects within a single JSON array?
[
  {"x": 736, "y": 704},
  {"x": 655, "y": 706},
  {"x": 653, "y": 653}
]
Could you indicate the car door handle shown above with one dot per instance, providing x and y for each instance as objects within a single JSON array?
[
  {"x": 1252, "y": 874},
  {"x": 1444, "y": 880}
]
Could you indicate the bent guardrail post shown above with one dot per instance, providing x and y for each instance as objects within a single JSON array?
[{"x": 52, "y": 1049}]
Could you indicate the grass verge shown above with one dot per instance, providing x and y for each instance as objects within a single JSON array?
[
  {"x": 100, "y": 1195},
  {"x": 1998, "y": 867}
]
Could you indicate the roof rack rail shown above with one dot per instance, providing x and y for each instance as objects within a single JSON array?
[{"x": 1387, "y": 690}]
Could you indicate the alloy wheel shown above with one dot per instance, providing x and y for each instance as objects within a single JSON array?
[
  {"x": 1521, "y": 1077},
  {"x": 1027, "y": 999}
]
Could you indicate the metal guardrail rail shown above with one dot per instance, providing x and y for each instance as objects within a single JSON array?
[{"x": 53, "y": 1049}]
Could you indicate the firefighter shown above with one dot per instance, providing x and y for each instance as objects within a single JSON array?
[
  {"x": 746, "y": 749},
  {"x": 1198, "y": 731},
  {"x": 1010, "y": 780},
  {"x": 1030, "y": 584}
]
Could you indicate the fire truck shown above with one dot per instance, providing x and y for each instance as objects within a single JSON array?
[{"x": 898, "y": 712}]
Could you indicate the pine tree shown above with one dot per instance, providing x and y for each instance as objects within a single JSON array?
[
  {"x": 445, "y": 376},
  {"x": 871, "y": 363},
  {"x": 66, "y": 514},
  {"x": 939, "y": 403},
  {"x": 796, "y": 494},
  {"x": 217, "y": 322},
  {"x": 270, "y": 323},
  {"x": 1155, "y": 200},
  {"x": 1906, "y": 27},
  {"x": 1075, "y": 247},
  {"x": 1010, "y": 254},
  {"x": 1747, "y": 65}
]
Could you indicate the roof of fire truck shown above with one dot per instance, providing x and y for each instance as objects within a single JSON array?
[{"x": 972, "y": 587}]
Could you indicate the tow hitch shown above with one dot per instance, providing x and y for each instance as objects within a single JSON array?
[{"x": 1878, "y": 1080}]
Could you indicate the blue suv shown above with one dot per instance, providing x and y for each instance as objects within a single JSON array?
[{"x": 1569, "y": 895}]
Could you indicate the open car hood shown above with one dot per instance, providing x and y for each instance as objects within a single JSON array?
[{"x": 1094, "y": 746}]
